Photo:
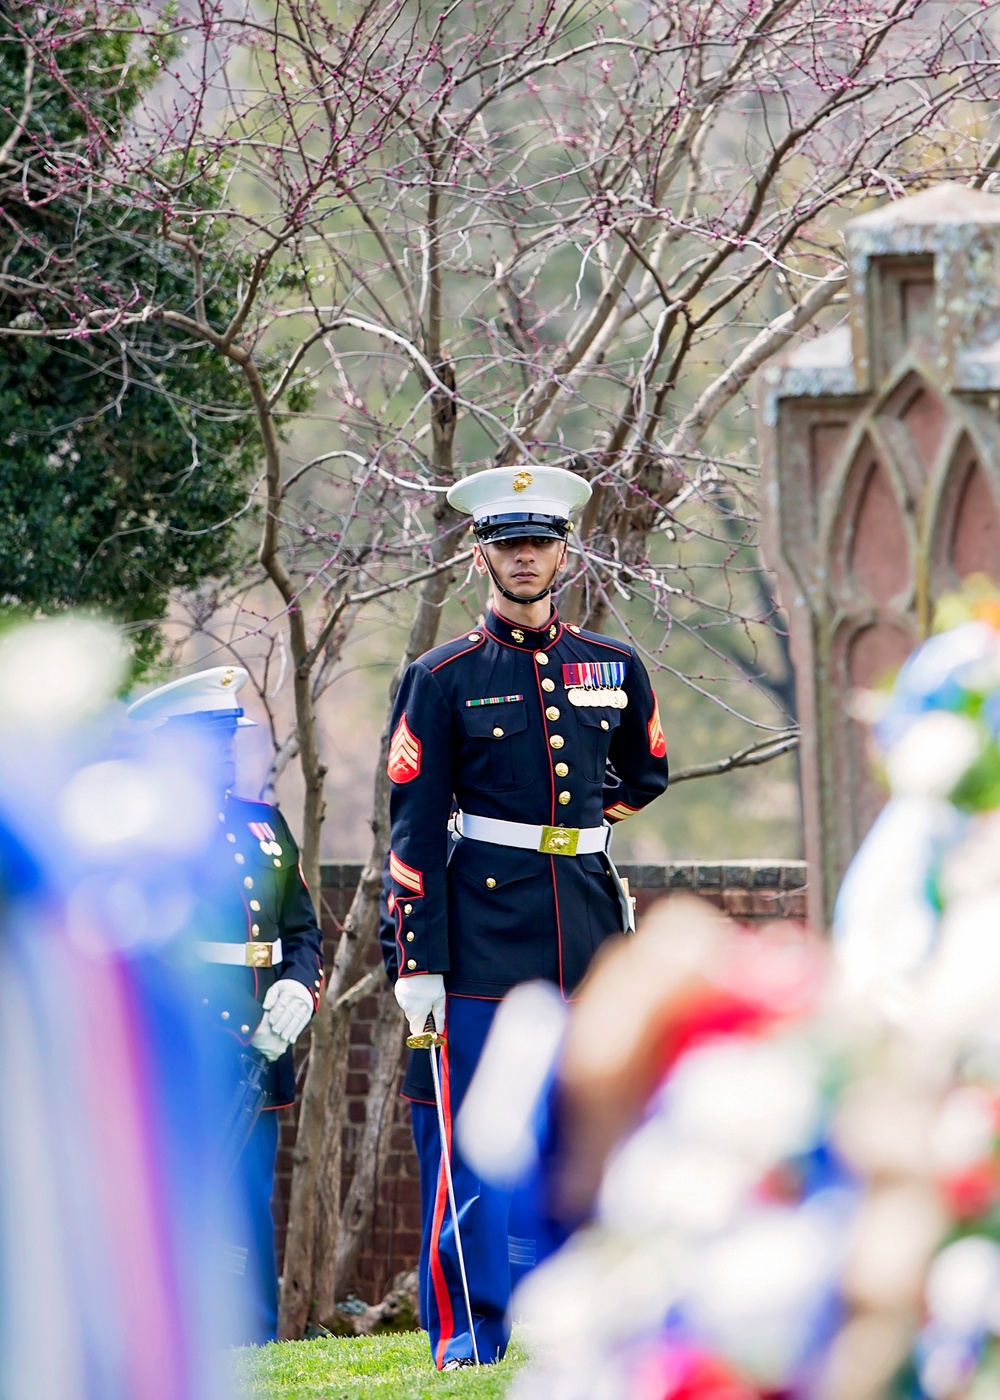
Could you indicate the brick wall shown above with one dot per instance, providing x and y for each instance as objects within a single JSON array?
[{"x": 747, "y": 889}]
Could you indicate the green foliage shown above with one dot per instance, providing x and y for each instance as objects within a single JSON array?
[
  {"x": 126, "y": 454},
  {"x": 397, "y": 1366}
]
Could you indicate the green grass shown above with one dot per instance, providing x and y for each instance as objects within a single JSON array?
[{"x": 396, "y": 1366}]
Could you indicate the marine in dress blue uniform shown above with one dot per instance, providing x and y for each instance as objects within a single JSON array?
[
  {"x": 261, "y": 951},
  {"x": 514, "y": 750}
]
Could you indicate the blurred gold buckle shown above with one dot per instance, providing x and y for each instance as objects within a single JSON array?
[
  {"x": 260, "y": 954},
  {"x": 559, "y": 840}
]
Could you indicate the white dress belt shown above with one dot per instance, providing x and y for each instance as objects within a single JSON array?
[
  {"x": 241, "y": 954},
  {"x": 549, "y": 840}
]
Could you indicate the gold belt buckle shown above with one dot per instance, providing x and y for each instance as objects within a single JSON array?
[
  {"x": 559, "y": 840},
  {"x": 259, "y": 954}
]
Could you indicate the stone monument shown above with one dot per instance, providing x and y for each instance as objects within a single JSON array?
[{"x": 880, "y": 456}]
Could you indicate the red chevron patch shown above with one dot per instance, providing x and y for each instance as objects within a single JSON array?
[
  {"x": 404, "y": 754},
  {"x": 405, "y": 875},
  {"x": 657, "y": 743}
]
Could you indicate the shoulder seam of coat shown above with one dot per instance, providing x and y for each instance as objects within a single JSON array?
[
  {"x": 603, "y": 641},
  {"x": 473, "y": 646}
]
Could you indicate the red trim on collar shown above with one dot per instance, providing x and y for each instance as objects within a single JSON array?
[{"x": 535, "y": 638}]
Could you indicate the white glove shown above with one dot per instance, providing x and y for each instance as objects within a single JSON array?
[
  {"x": 289, "y": 1007},
  {"x": 420, "y": 995},
  {"x": 271, "y": 1046}
]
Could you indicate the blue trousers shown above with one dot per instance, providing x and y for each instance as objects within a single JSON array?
[
  {"x": 484, "y": 1211},
  {"x": 257, "y": 1288}
]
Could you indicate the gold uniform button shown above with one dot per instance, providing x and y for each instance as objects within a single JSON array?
[
  {"x": 407, "y": 908},
  {"x": 239, "y": 859},
  {"x": 491, "y": 884},
  {"x": 541, "y": 658},
  {"x": 474, "y": 637},
  {"x": 222, "y": 816},
  {"x": 244, "y": 1030},
  {"x": 605, "y": 724},
  {"x": 552, "y": 712},
  {"x": 225, "y": 1015},
  {"x": 497, "y": 732},
  {"x": 255, "y": 905},
  {"x": 548, "y": 684},
  {"x": 230, "y": 836},
  {"x": 255, "y": 929},
  {"x": 317, "y": 983},
  {"x": 277, "y": 861},
  {"x": 573, "y": 627},
  {"x": 410, "y": 936},
  {"x": 564, "y": 797},
  {"x": 562, "y": 769},
  {"x": 557, "y": 741},
  {"x": 411, "y": 964},
  {"x": 248, "y": 882}
]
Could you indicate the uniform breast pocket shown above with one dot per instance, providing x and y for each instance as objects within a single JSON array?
[
  {"x": 596, "y": 729},
  {"x": 501, "y": 742}
]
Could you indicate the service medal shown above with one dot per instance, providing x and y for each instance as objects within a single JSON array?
[{"x": 596, "y": 698}]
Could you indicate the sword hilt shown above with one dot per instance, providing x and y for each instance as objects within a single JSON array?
[{"x": 427, "y": 1037}]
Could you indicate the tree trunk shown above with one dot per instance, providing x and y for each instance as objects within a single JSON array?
[
  {"x": 314, "y": 1257},
  {"x": 373, "y": 1141}
]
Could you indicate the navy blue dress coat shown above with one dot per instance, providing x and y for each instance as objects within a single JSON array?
[
  {"x": 484, "y": 724},
  {"x": 262, "y": 897}
]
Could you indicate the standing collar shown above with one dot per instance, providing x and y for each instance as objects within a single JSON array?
[{"x": 524, "y": 638}]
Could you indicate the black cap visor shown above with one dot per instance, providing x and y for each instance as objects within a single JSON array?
[{"x": 521, "y": 526}]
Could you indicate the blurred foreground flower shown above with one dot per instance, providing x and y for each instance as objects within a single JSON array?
[{"x": 778, "y": 1170}]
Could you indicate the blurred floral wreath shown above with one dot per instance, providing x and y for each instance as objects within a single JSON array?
[{"x": 787, "y": 1161}]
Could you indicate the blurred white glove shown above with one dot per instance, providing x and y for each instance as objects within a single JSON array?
[
  {"x": 420, "y": 995},
  {"x": 271, "y": 1046},
  {"x": 289, "y": 1008}
]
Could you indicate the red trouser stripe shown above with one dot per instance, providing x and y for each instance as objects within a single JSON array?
[{"x": 441, "y": 1294}]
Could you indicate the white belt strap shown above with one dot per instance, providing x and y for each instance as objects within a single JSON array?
[
  {"x": 549, "y": 840},
  {"x": 241, "y": 954}
]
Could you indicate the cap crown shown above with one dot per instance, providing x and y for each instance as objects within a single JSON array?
[
  {"x": 206, "y": 692},
  {"x": 524, "y": 490}
]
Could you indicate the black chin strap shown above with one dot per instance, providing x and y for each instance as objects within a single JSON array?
[{"x": 512, "y": 597}]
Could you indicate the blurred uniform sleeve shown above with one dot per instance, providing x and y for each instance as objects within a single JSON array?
[{"x": 301, "y": 939}]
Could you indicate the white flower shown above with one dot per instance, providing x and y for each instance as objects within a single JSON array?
[{"x": 932, "y": 754}]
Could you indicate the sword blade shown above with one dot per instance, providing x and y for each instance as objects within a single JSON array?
[{"x": 446, "y": 1160}]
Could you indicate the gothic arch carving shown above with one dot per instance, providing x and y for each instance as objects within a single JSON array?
[
  {"x": 966, "y": 528},
  {"x": 871, "y": 545}
]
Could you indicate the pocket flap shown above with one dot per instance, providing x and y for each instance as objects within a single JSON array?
[
  {"x": 482, "y": 720},
  {"x": 593, "y": 717}
]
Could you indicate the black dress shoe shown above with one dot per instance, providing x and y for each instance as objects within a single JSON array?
[{"x": 458, "y": 1364}]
